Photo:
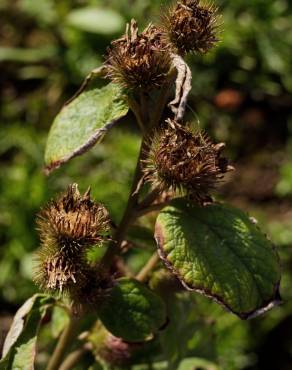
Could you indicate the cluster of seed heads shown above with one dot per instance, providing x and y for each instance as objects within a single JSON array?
[
  {"x": 143, "y": 61},
  {"x": 178, "y": 158}
]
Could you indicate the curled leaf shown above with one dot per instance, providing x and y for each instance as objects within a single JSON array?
[{"x": 183, "y": 87}]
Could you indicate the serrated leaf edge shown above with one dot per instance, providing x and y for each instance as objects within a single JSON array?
[{"x": 267, "y": 306}]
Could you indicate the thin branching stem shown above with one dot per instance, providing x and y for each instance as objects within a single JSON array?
[
  {"x": 64, "y": 342},
  {"x": 152, "y": 208},
  {"x": 146, "y": 270},
  {"x": 72, "y": 359},
  {"x": 149, "y": 199}
]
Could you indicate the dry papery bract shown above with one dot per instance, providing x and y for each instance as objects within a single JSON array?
[
  {"x": 139, "y": 61},
  {"x": 68, "y": 228},
  {"x": 191, "y": 26},
  {"x": 184, "y": 160}
]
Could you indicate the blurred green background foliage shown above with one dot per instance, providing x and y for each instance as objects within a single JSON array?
[{"x": 242, "y": 94}]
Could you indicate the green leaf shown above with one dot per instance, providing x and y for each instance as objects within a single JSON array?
[
  {"x": 96, "y": 20},
  {"x": 83, "y": 122},
  {"x": 218, "y": 251},
  {"x": 20, "y": 344},
  {"x": 132, "y": 311}
]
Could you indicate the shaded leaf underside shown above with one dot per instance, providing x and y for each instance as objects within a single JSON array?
[{"x": 132, "y": 311}]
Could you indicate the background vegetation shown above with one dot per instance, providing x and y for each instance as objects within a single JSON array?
[{"x": 242, "y": 93}]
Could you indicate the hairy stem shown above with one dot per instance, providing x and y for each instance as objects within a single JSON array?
[
  {"x": 151, "y": 263},
  {"x": 63, "y": 344}
]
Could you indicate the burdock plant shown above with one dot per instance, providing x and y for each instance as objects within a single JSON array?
[{"x": 120, "y": 316}]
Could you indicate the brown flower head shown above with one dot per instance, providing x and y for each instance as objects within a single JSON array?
[
  {"x": 68, "y": 227},
  {"x": 191, "y": 26},
  {"x": 139, "y": 61},
  {"x": 184, "y": 160}
]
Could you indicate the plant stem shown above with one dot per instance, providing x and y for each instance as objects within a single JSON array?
[
  {"x": 127, "y": 218},
  {"x": 63, "y": 344},
  {"x": 149, "y": 199},
  {"x": 152, "y": 208},
  {"x": 144, "y": 108},
  {"x": 135, "y": 108},
  {"x": 142, "y": 116},
  {"x": 161, "y": 101},
  {"x": 144, "y": 273},
  {"x": 72, "y": 359}
]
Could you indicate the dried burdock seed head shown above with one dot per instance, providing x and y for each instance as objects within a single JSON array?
[
  {"x": 139, "y": 61},
  {"x": 68, "y": 227},
  {"x": 191, "y": 26},
  {"x": 185, "y": 160}
]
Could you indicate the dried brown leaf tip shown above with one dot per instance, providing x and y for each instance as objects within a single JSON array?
[
  {"x": 68, "y": 228},
  {"x": 185, "y": 160},
  {"x": 139, "y": 61},
  {"x": 191, "y": 26}
]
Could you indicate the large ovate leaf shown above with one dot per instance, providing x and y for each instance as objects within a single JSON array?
[
  {"x": 132, "y": 311},
  {"x": 20, "y": 344},
  {"x": 218, "y": 251},
  {"x": 84, "y": 121}
]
